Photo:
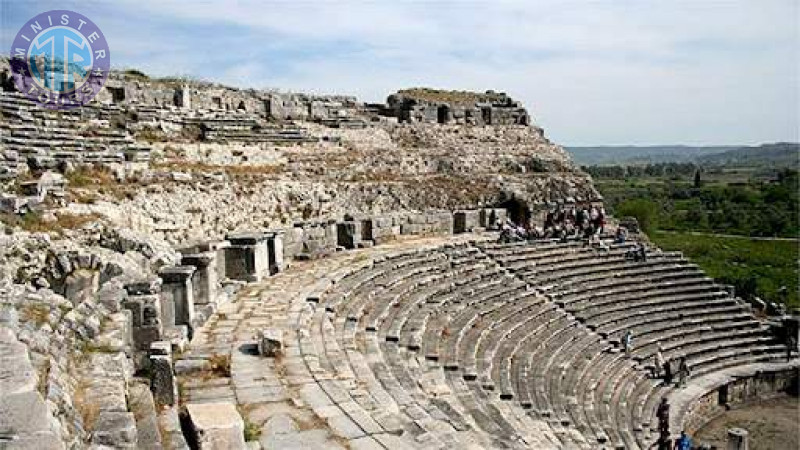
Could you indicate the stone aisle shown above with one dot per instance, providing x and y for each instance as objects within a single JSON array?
[{"x": 281, "y": 398}]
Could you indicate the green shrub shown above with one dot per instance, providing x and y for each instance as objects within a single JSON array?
[{"x": 645, "y": 211}]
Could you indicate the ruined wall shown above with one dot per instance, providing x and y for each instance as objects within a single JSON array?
[
  {"x": 421, "y": 105},
  {"x": 761, "y": 386}
]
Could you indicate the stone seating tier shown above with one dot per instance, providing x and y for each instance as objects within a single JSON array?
[{"x": 474, "y": 321}]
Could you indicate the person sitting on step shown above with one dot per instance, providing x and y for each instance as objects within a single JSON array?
[
  {"x": 621, "y": 236},
  {"x": 627, "y": 341}
]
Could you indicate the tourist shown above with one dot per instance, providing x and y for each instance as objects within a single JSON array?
[
  {"x": 601, "y": 219},
  {"x": 683, "y": 372},
  {"x": 569, "y": 231},
  {"x": 621, "y": 236},
  {"x": 658, "y": 362},
  {"x": 627, "y": 341},
  {"x": 571, "y": 217},
  {"x": 667, "y": 372},
  {"x": 640, "y": 253},
  {"x": 548, "y": 220},
  {"x": 662, "y": 413},
  {"x": 588, "y": 231},
  {"x": 791, "y": 346},
  {"x": 559, "y": 216},
  {"x": 683, "y": 442},
  {"x": 580, "y": 218}
]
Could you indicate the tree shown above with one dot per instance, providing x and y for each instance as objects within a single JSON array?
[
  {"x": 697, "y": 181},
  {"x": 645, "y": 212}
]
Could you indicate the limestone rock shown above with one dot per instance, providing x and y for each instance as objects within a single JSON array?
[
  {"x": 216, "y": 426},
  {"x": 270, "y": 342}
]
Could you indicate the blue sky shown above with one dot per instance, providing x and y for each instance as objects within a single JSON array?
[{"x": 591, "y": 72}]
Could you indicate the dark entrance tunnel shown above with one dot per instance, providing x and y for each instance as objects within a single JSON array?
[{"x": 518, "y": 211}]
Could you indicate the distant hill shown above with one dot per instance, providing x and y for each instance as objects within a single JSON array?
[{"x": 780, "y": 154}]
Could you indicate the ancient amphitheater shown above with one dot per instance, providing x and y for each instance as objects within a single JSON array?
[{"x": 188, "y": 265}]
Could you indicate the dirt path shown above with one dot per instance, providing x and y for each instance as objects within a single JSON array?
[{"x": 772, "y": 425}]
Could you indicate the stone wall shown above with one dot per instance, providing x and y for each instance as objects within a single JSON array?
[
  {"x": 758, "y": 387},
  {"x": 454, "y": 107}
]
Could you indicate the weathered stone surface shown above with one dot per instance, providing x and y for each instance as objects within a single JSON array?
[
  {"x": 216, "y": 426},
  {"x": 204, "y": 280},
  {"x": 163, "y": 383},
  {"x": 270, "y": 342},
  {"x": 170, "y": 426},
  {"x": 177, "y": 295},
  {"x": 144, "y": 411},
  {"x": 115, "y": 429},
  {"x": 24, "y": 416}
]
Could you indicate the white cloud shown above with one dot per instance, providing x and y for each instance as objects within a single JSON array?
[{"x": 592, "y": 72}]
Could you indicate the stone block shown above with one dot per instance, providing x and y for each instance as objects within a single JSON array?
[
  {"x": 161, "y": 348},
  {"x": 115, "y": 429},
  {"x": 144, "y": 411},
  {"x": 216, "y": 426},
  {"x": 144, "y": 287},
  {"x": 162, "y": 380},
  {"x": 247, "y": 258},
  {"x": 24, "y": 415},
  {"x": 270, "y": 342},
  {"x": 170, "y": 427}
]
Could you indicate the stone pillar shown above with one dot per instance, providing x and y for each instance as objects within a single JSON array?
[
  {"x": 737, "y": 439},
  {"x": 219, "y": 249},
  {"x": 366, "y": 230},
  {"x": 492, "y": 218},
  {"x": 204, "y": 281},
  {"x": 501, "y": 215},
  {"x": 330, "y": 235},
  {"x": 163, "y": 383},
  {"x": 247, "y": 257},
  {"x": 144, "y": 303},
  {"x": 275, "y": 250},
  {"x": 177, "y": 295}
]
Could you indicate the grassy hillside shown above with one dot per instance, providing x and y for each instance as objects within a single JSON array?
[
  {"x": 696, "y": 215},
  {"x": 755, "y": 267}
]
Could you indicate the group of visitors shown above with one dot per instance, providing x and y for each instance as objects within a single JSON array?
[
  {"x": 562, "y": 222},
  {"x": 575, "y": 221},
  {"x": 662, "y": 368},
  {"x": 637, "y": 253}
]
